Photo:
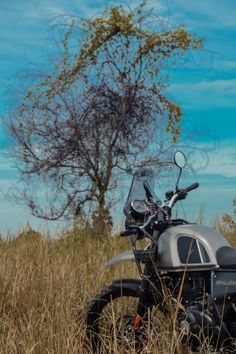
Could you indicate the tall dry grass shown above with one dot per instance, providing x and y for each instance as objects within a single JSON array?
[{"x": 45, "y": 286}]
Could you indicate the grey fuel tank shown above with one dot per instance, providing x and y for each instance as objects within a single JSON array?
[{"x": 192, "y": 246}]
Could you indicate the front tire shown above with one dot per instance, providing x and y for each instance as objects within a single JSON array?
[{"x": 110, "y": 318}]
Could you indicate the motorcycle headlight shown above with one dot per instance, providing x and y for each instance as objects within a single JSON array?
[{"x": 139, "y": 207}]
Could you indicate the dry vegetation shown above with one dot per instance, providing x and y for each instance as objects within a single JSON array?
[{"x": 45, "y": 288}]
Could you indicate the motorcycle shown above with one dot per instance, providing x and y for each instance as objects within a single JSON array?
[{"x": 187, "y": 272}]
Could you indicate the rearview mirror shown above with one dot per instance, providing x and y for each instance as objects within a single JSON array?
[{"x": 180, "y": 159}]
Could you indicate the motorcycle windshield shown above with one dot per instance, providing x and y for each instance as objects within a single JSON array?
[{"x": 137, "y": 190}]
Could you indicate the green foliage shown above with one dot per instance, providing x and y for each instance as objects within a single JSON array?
[
  {"x": 119, "y": 42},
  {"x": 102, "y": 109},
  {"x": 229, "y": 220},
  {"x": 29, "y": 234},
  {"x": 227, "y": 225}
]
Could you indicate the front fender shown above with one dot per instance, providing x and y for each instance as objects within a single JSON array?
[
  {"x": 124, "y": 257},
  {"x": 127, "y": 283}
]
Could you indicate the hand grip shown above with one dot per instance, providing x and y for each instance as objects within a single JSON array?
[{"x": 192, "y": 187}]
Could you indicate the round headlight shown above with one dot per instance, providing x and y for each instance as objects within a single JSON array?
[{"x": 139, "y": 207}]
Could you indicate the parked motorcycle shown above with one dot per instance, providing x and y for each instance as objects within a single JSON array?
[{"x": 186, "y": 269}]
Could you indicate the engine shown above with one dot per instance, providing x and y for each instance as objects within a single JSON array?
[
  {"x": 193, "y": 286},
  {"x": 195, "y": 316}
]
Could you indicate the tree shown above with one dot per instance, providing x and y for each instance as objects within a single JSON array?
[
  {"x": 229, "y": 220},
  {"x": 99, "y": 111}
]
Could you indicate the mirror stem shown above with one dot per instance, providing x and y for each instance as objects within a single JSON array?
[{"x": 180, "y": 173}]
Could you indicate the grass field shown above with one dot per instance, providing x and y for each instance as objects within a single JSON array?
[{"x": 46, "y": 285}]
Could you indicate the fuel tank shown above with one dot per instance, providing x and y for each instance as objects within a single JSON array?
[{"x": 190, "y": 247}]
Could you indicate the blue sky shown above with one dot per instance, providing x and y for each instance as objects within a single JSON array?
[{"x": 205, "y": 86}]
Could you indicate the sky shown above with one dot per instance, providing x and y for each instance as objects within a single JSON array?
[{"x": 204, "y": 85}]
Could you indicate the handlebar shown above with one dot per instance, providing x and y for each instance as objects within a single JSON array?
[
  {"x": 176, "y": 196},
  {"x": 163, "y": 212},
  {"x": 192, "y": 187}
]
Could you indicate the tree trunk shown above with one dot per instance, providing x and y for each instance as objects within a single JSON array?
[{"x": 101, "y": 219}]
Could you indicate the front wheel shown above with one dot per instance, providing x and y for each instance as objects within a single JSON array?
[
  {"x": 110, "y": 324},
  {"x": 110, "y": 319}
]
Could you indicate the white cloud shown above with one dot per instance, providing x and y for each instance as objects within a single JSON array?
[
  {"x": 217, "y": 93},
  {"x": 42, "y": 11},
  {"x": 202, "y": 13},
  {"x": 216, "y": 85},
  {"x": 225, "y": 65},
  {"x": 223, "y": 161},
  {"x": 49, "y": 9}
]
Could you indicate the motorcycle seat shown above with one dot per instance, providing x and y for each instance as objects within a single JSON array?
[{"x": 226, "y": 257}]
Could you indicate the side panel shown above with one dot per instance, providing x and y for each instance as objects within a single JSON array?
[
  {"x": 223, "y": 290},
  {"x": 223, "y": 285}
]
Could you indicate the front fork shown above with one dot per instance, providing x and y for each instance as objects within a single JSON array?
[{"x": 144, "y": 297}]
